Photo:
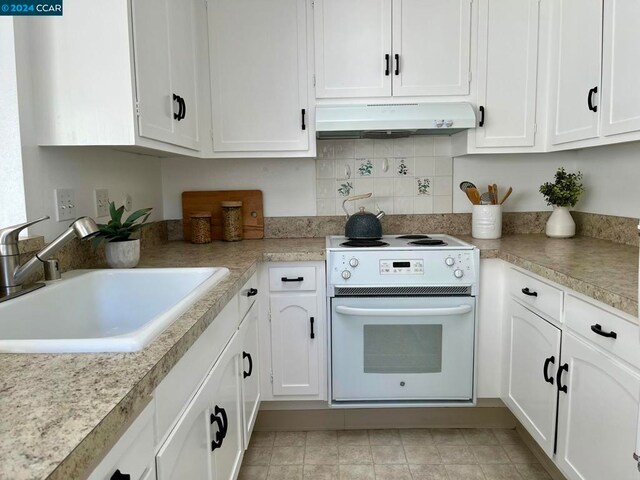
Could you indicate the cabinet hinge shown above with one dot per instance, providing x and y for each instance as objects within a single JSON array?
[
  {"x": 211, "y": 135},
  {"x": 269, "y": 315},
  {"x": 313, "y": 4},
  {"x": 271, "y": 377},
  {"x": 470, "y": 76},
  {"x": 137, "y": 108},
  {"x": 314, "y": 80}
]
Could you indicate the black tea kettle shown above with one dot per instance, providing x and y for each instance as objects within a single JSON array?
[{"x": 362, "y": 225}]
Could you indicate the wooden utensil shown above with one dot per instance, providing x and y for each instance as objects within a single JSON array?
[
  {"x": 506, "y": 195},
  {"x": 495, "y": 194},
  {"x": 209, "y": 201},
  {"x": 473, "y": 195}
]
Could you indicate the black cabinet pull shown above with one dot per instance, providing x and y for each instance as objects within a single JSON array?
[
  {"x": 597, "y": 329},
  {"x": 219, "y": 417},
  {"x": 248, "y": 357},
  {"x": 528, "y": 292},
  {"x": 176, "y": 116},
  {"x": 118, "y": 475},
  {"x": 387, "y": 61},
  {"x": 304, "y": 126},
  {"x": 298, "y": 279},
  {"x": 565, "y": 368},
  {"x": 184, "y": 108},
  {"x": 545, "y": 369},
  {"x": 397, "y": 57},
  {"x": 481, "y": 122},
  {"x": 252, "y": 292},
  {"x": 592, "y": 107},
  {"x": 311, "y": 321}
]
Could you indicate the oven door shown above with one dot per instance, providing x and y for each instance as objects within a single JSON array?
[{"x": 402, "y": 349}]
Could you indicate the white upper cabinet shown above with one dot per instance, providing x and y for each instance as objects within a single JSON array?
[
  {"x": 431, "y": 47},
  {"x": 507, "y": 73},
  {"x": 620, "y": 70},
  {"x": 259, "y": 77},
  {"x": 575, "y": 71},
  {"x": 352, "y": 48},
  {"x": 383, "y": 48}
]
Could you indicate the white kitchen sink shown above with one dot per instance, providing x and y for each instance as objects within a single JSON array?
[{"x": 102, "y": 310}]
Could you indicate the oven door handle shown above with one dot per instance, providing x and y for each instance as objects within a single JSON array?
[{"x": 403, "y": 312}]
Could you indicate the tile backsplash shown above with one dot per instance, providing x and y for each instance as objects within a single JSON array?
[{"x": 405, "y": 175}]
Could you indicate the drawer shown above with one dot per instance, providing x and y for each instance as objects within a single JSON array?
[
  {"x": 541, "y": 296},
  {"x": 292, "y": 279},
  {"x": 180, "y": 384},
  {"x": 247, "y": 295},
  {"x": 581, "y": 316},
  {"x": 134, "y": 453}
]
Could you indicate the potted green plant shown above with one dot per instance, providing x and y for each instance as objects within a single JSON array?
[
  {"x": 121, "y": 250},
  {"x": 563, "y": 194}
]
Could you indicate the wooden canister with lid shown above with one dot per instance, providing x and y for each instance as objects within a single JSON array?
[{"x": 232, "y": 228}]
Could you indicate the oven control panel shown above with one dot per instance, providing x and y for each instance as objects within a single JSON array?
[{"x": 401, "y": 267}]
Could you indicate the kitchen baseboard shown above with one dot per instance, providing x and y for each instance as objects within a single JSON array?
[
  {"x": 489, "y": 413},
  {"x": 542, "y": 457}
]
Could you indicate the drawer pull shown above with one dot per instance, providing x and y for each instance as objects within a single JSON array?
[
  {"x": 545, "y": 369},
  {"x": 219, "y": 417},
  {"x": 528, "y": 292},
  {"x": 313, "y": 335},
  {"x": 597, "y": 329},
  {"x": 118, "y": 475},
  {"x": 248, "y": 357},
  {"x": 565, "y": 368},
  {"x": 298, "y": 279},
  {"x": 252, "y": 292}
]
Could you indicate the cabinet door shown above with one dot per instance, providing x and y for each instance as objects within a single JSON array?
[
  {"x": 534, "y": 353},
  {"x": 258, "y": 62},
  {"x": 250, "y": 361},
  {"x": 152, "y": 53},
  {"x": 620, "y": 69},
  {"x": 352, "y": 46},
  {"x": 575, "y": 70},
  {"x": 507, "y": 72},
  {"x": 295, "y": 344},
  {"x": 183, "y": 36},
  {"x": 597, "y": 416},
  {"x": 431, "y": 45}
]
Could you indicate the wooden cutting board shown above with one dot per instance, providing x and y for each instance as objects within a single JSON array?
[{"x": 209, "y": 201}]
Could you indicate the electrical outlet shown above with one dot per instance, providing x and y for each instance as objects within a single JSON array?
[
  {"x": 65, "y": 204},
  {"x": 102, "y": 202}
]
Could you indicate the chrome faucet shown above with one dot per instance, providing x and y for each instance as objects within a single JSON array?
[{"x": 12, "y": 274}]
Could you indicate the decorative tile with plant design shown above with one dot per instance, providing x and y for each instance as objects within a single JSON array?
[
  {"x": 366, "y": 168},
  {"x": 403, "y": 170},
  {"x": 344, "y": 190},
  {"x": 423, "y": 186}
]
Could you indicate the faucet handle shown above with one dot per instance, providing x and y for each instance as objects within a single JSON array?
[{"x": 9, "y": 236}]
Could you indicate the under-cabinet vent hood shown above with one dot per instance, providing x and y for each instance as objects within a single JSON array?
[{"x": 393, "y": 120}]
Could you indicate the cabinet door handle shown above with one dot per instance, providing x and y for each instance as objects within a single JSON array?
[
  {"x": 248, "y": 357},
  {"x": 481, "y": 122},
  {"x": 311, "y": 321},
  {"x": 597, "y": 329},
  {"x": 298, "y": 279},
  {"x": 252, "y": 292},
  {"x": 184, "y": 108},
  {"x": 397, "y": 57},
  {"x": 565, "y": 368},
  {"x": 118, "y": 475},
  {"x": 592, "y": 107},
  {"x": 387, "y": 61},
  {"x": 545, "y": 369},
  {"x": 528, "y": 292},
  {"x": 304, "y": 126},
  {"x": 219, "y": 417},
  {"x": 176, "y": 116}
]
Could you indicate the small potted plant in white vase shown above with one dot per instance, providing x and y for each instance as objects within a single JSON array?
[
  {"x": 121, "y": 250},
  {"x": 563, "y": 194}
]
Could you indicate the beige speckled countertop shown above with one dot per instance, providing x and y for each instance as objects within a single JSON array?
[{"x": 60, "y": 413}]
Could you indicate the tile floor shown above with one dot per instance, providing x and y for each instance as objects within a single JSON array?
[{"x": 406, "y": 454}]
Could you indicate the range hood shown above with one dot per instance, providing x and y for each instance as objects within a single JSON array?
[{"x": 393, "y": 120}]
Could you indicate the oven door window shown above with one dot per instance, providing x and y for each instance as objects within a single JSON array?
[{"x": 402, "y": 349}]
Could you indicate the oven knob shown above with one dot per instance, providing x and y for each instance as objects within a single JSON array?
[
  {"x": 458, "y": 273},
  {"x": 354, "y": 262},
  {"x": 449, "y": 261},
  {"x": 346, "y": 274}
]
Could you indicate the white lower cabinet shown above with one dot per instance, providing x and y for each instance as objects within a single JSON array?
[
  {"x": 250, "y": 361},
  {"x": 207, "y": 441},
  {"x": 530, "y": 391},
  {"x": 597, "y": 415}
]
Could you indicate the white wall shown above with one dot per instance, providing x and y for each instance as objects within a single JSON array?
[
  {"x": 81, "y": 168},
  {"x": 288, "y": 185},
  {"x": 12, "y": 203}
]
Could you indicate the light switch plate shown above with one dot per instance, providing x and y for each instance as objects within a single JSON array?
[
  {"x": 65, "y": 204},
  {"x": 102, "y": 202}
]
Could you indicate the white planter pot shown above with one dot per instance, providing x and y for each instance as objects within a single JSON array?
[
  {"x": 560, "y": 223},
  {"x": 122, "y": 254}
]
